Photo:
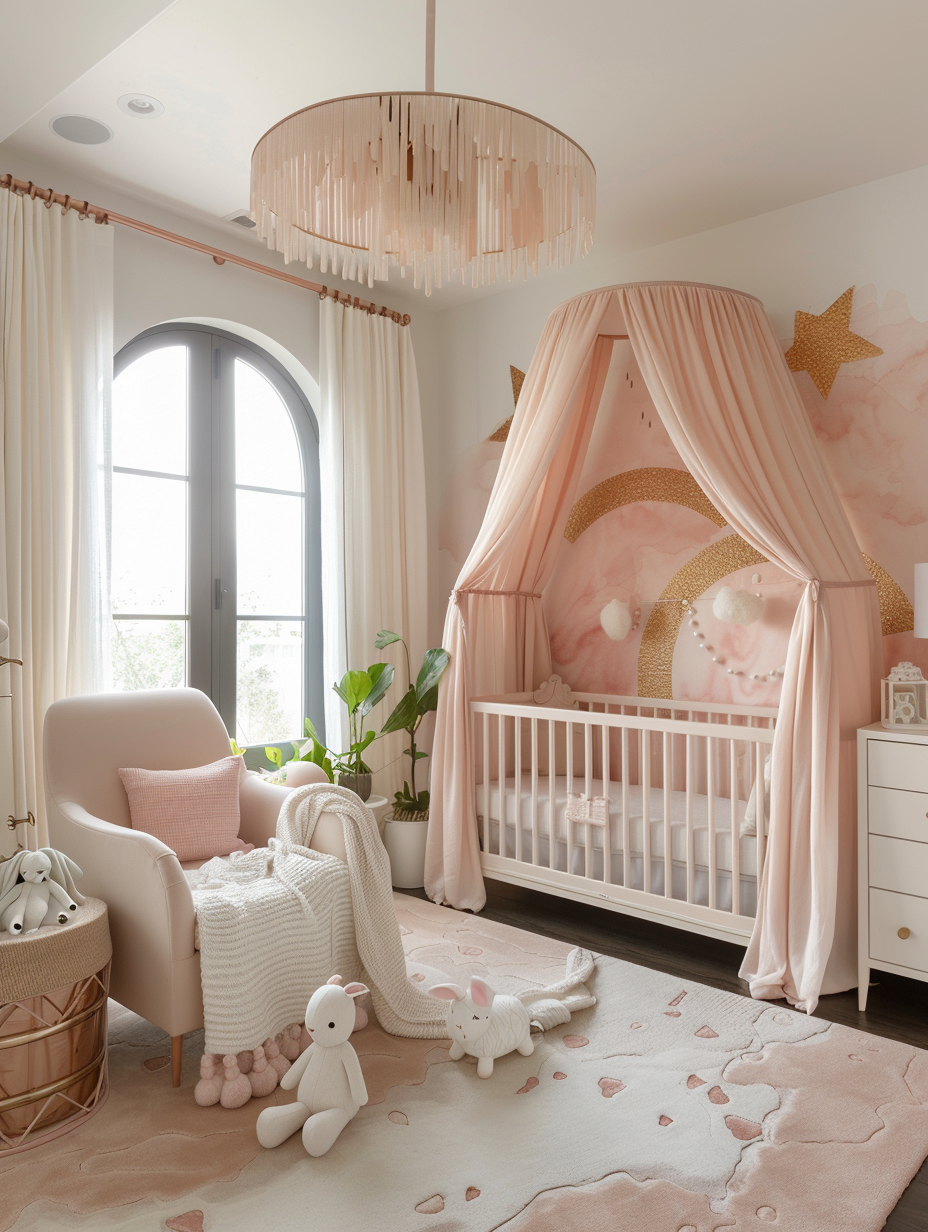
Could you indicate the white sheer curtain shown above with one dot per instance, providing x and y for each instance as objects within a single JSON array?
[
  {"x": 56, "y": 364},
  {"x": 374, "y": 547}
]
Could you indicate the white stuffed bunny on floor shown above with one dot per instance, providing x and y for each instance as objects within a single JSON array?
[
  {"x": 36, "y": 888},
  {"x": 331, "y": 1086},
  {"x": 484, "y": 1025}
]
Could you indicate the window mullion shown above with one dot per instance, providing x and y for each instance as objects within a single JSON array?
[
  {"x": 199, "y": 592},
  {"x": 225, "y": 598}
]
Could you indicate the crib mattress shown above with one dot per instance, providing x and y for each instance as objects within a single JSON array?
[{"x": 508, "y": 808}]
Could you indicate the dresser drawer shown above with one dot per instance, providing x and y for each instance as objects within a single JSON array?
[
  {"x": 901, "y": 814},
  {"x": 888, "y": 914},
  {"x": 896, "y": 864},
  {"x": 890, "y": 763}
]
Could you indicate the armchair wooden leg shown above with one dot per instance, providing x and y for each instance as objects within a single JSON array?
[{"x": 177, "y": 1055}]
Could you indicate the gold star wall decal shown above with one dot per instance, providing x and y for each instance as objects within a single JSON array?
[
  {"x": 517, "y": 378},
  {"x": 823, "y": 343},
  {"x": 502, "y": 432}
]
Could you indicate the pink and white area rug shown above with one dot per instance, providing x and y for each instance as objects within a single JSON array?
[{"x": 668, "y": 1107}]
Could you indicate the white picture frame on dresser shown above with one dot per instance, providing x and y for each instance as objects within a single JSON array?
[{"x": 892, "y": 865}]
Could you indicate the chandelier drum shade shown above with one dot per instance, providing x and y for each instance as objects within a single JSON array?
[{"x": 439, "y": 185}]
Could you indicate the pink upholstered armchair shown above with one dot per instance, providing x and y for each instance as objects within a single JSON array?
[{"x": 156, "y": 970}]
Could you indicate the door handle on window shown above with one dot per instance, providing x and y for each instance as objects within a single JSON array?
[{"x": 218, "y": 593}]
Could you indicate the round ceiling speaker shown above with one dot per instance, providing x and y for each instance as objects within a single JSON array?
[
  {"x": 81, "y": 129},
  {"x": 140, "y": 105}
]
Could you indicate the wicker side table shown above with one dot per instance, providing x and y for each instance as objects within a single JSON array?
[{"x": 54, "y": 984}]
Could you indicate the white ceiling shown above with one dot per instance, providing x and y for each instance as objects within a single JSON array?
[
  {"x": 47, "y": 44},
  {"x": 694, "y": 114}
]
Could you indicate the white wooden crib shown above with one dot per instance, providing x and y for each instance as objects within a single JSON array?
[{"x": 583, "y": 795}]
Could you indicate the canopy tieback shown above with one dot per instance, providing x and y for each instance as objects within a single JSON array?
[
  {"x": 511, "y": 594},
  {"x": 817, "y": 584}
]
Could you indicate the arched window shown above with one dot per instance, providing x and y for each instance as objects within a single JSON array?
[{"x": 215, "y": 530}]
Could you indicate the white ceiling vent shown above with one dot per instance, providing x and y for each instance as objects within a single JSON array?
[{"x": 242, "y": 218}]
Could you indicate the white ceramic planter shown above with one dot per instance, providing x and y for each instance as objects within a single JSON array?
[{"x": 405, "y": 844}]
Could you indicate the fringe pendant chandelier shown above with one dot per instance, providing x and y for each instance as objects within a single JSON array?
[{"x": 443, "y": 185}]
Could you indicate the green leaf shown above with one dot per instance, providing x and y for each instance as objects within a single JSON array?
[
  {"x": 360, "y": 745},
  {"x": 381, "y": 675},
  {"x": 386, "y": 638},
  {"x": 274, "y": 756},
  {"x": 353, "y": 689},
  {"x": 428, "y": 701},
  {"x": 433, "y": 665},
  {"x": 409, "y": 803},
  {"x": 236, "y": 749},
  {"x": 318, "y": 755},
  {"x": 404, "y": 715}
]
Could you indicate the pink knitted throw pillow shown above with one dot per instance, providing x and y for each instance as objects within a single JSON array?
[{"x": 195, "y": 812}]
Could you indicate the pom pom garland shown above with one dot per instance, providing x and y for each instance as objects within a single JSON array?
[
  {"x": 737, "y": 607},
  {"x": 716, "y": 658},
  {"x": 617, "y": 620}
]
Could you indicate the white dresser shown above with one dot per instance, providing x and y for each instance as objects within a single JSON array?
[{"x": 892, "y": 778}]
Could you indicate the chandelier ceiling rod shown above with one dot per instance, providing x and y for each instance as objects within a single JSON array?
[{"x": 430, "y": 46}]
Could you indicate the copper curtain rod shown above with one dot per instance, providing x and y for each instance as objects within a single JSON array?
[{"x": 102, "y": 216}]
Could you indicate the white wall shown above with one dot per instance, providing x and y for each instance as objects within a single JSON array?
[{"x": 800, "y": 257}]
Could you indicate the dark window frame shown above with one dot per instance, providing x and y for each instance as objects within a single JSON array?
[{"x": 211, "y": 519}]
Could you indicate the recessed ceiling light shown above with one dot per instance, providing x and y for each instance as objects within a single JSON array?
[
  {"x": 81, "y": 129},
  {"x": 140, "y": 105}
]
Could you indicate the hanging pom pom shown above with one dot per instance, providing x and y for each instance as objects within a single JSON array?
[
  {"x": 263, "y": 1077},
  {"x": 737, "y": 607},
  {"x": 209, "y": 1088},
  {"x": 616, "y": 620},
  {"x": 236, "y": 1090}
]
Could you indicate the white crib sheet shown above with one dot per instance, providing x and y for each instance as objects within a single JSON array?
[{"x": 678, "y": 804}]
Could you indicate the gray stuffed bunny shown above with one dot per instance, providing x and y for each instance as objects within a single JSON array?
[{"x": 36, "y": 888}]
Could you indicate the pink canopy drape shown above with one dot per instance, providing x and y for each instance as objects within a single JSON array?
[{"x": 716, "y": 373}]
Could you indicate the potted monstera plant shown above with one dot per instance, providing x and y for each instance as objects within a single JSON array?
[
  {"x": 360, "y": 691},
  {"x": 405, "y": 830},
  {"x": 420, "y": 698}
]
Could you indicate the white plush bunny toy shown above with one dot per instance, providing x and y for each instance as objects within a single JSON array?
[
  {"x": 331, "y": 1086},
  {"x": 484, "y": 1025},
  {"x": 36, "y": 888}
]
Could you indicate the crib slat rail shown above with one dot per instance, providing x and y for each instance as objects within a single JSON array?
[{"x": 648, "y": 806}]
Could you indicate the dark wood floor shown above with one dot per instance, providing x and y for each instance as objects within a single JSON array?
[{"x": 897, "y": 1007}]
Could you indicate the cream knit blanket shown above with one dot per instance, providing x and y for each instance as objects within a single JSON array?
[{"x": 276, "y": 923}]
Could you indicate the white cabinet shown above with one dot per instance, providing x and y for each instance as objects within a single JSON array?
[{"x": 892, "y": 802}]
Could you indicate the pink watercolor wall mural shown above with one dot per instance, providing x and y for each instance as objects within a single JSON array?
[
  {"x": 639, "y": 535},
  {"x": 873, "y": 429}
]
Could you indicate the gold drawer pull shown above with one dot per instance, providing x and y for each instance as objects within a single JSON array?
[{"x": 903, "y": 933}]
